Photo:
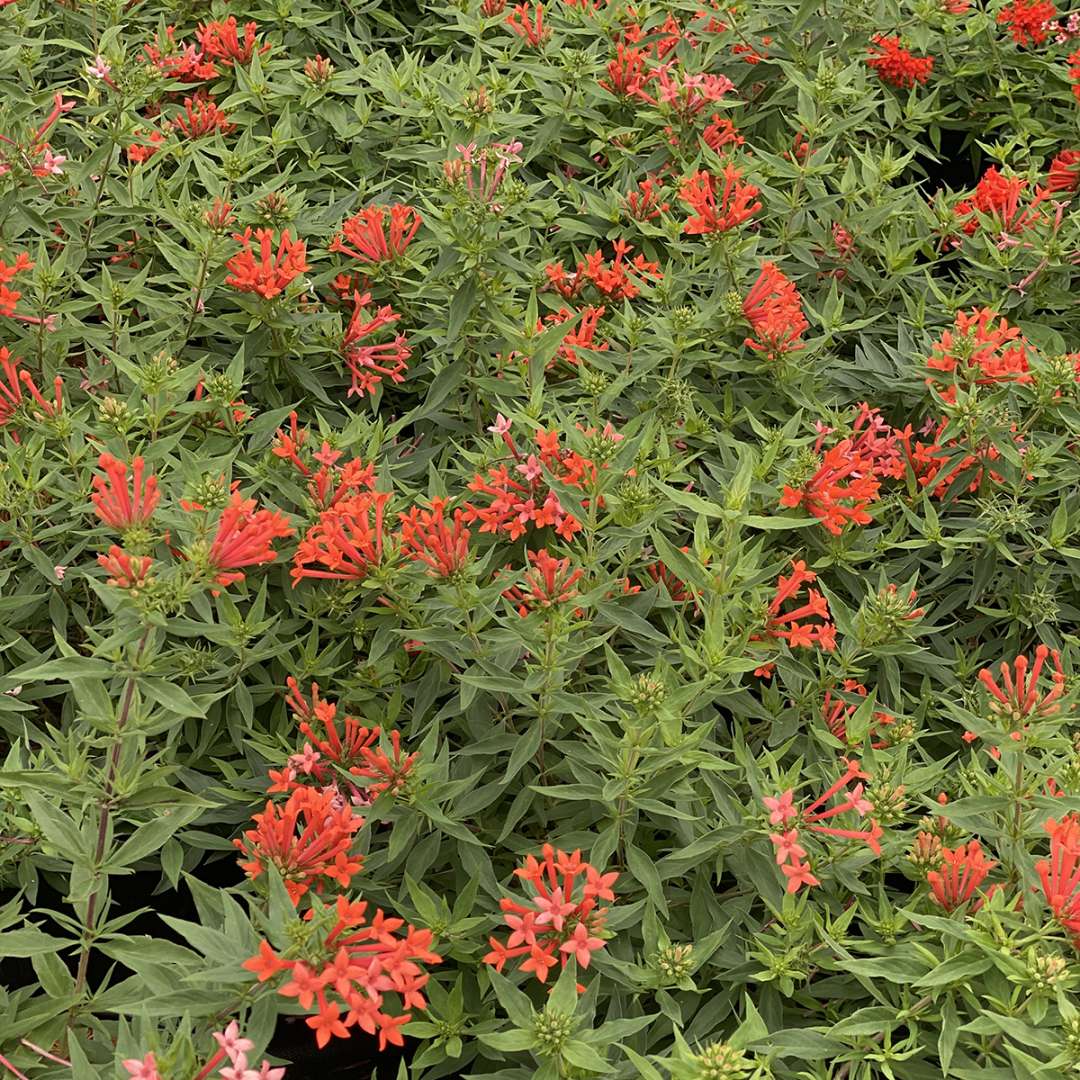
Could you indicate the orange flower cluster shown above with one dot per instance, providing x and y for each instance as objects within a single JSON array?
[
  {"x": 795, "y": 626},
  {"x": 366, "y": 236},
  {"x": 269, "y": 274},
  {"x": 718, "y": 203},
  {"x": 427, "y": 538},
  {"x": 522, "y": 497},
  {"x": 962, "y": 871},
  {"x": 618, "y": 280},
  {"x": 118, "y": 505},
  {"x": 790, "y": 854},
  {"x": 895, "y": 65},
  {"x": 998, "y": 197},
  {"x": 369, "y": 364},
  {"x": 202, "y": 117},
  {"x": 346, "y": 543},
  {"x": 1060, "y": 874},
  {"x": 220, "y": 41},
  {"x": 836, "y": 713},
  {"x": 244, "y": 537},
  {"x": 548, "y": 583},
  {"x": 329, "y": 483},
  {"x": 372, "y": 969},
  {"x": 307, "y": 839},
  {"x": 559, "y": 919},
  {"x": 981, "y": 349},
  {"x": 773, "y": 308}
]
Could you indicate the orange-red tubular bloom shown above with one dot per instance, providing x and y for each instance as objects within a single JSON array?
[
  {"x": 366, "y": 236},
  {"x": 117, "y": 504},
  {"x": 244, "y": 537},
  {"x": 962, "y": 871},
  {"x": 125, "y": 571},
  {"x": 268, "y": 274},
  {"x": 895, "y": 65},
  {"x": 306, "y": 839},
  {"x": 427, "y": 538},
  {"x": 346, "y": 543},
  {"x": 773, "y": 307},
  {"x": 12, "y": 383},
  {"x": 561, "y": 918},
  {"x": 1017, "y": 699},
  {"x": 370, "y": 364},
  {"x": 201, "y": 116},
  {"x": 220, "y": 41},
  {"x": 366, "y": 965},
  {"x": 840, "y": 491},
  {"x": 795, "y": 627},
  {"x": 1060, "y": 874},
  {"x": 718, "y": 203},
  {"x": 528, "y": 23}
]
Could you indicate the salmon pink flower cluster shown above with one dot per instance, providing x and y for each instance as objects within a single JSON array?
[{"x": 560, "y": 917}]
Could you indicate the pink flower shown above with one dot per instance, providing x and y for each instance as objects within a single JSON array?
[
  {"x": 580, "y": 945},
  {"x": 53, "y": 164},
  {"x": 59, "y": 571},
  {"x": 531, "y": 468},
  {"x": 553, "y": 909},
  {"x": 99, "y": 69},
  {"x": 501, "y": 425},
  {"x": 787, "y": 846},
  {"x": 781, "y": 808},
  {"x": 142, "y": 1070},
  {"x": 230, "y": 1041}
]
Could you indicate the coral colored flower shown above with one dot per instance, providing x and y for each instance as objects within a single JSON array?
[
  {"x": 1074, "y": 73},
  {"x": 839, "y": 491},
  {"x": 12, "y": 384},
  {"x": 628, "y": 74},
  {"x": 550, "y": 581},
  {"x": 481, "y": 172},
  {"x": 962, "y": 871},
  {"x": 795, "y": 626},
  {"x": 372, "y": 969},
  {"x": 144, "y": 1069},
  {"x": 244, "y": 538},
  {"x": 125, "y": 571},
  {"x": 202, "y": 117},
  {"x": 141, "y": 152},
  {"x": 1027, "y": 19},
  {"x": 618, "y": 279},
  {"x": 688, "y": 94},
  {"x": 718, "y": 203},
  {"x": 773, "y": 307},
  {"x": 346, "y": 543},
  {"x": 8, "y": 272},
  {"x": 980, "y": 348},
  {"x": 364, "y": 237},
  {"x": 559, "y": 918},
  {"x": 1060, "y": 873},
  {"x": 1016, "y": 699},
  {"x": 520, "y": 498},
  {"x": 528, "y": 23},
  {"x": 721, "y": 132},
  {"x": 220, "y": 41},
  {"x": 426, "y": 537},
  {"x": 117, "y": 504},
  {"x": 895, "y": 65},
  {"x": 644, "y": 204},
  {"x": 836, "y": 713},
  {"x": 1063, "y": 175},
  {"x": 268, "y": 274},
  {"x": 184, "y": 62},
  {"x": 999, "y": 197},
  {"x": 369, "y": 364},
  {"x": 306, "y": 839}
]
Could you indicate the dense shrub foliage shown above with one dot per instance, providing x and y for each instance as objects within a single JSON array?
[{"x": 540, "y": 540}]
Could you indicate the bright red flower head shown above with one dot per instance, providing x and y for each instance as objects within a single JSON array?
[
  {"x": 221, "y": 41},
  {"x": 115, "y": 502},
  {"x": 1060, "y": 874},
  {"x": 773, "y": 307},
  {"x": 346, "y": 543},
  {"x": 364, "y": 237},
  {"x": 427, "y": 537},
  {"x": 266, "y": 272},
  {"x": 1017, "y": 698},
  {"x": 370, "y": 364},
  {"x": 962, "y": 871},
  {"x": 895, "y": 64},
  {"x": 244, "y": 537},
  {"x": 1027, "y": 19},
  {"x": 718, "y": 203}
]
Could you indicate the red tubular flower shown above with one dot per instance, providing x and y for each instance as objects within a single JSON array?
[
  {"x": 962, "y": 871},
  {"x": 979, "y": 350},
  {"x": 618, "y": 280},
  {"x": 783, "y": 813},
  {"x": 184, "y": 62},
  {"x": 836, "y": 712},
  {"x": 840, "y": 491},
  {"x": 686, "y": 93},
  {"x": 1027, "y": 19},
  {"x": 426, "y": 537},
  {"x": 550, "y": 581},
  {"x": 220, "y": 41},
  {"x": 11, "y": 390},
  {"x": 1074, "y": 73},
  {"x": 786, "y": 626},
  {"x": 628, "y": 75},
  {"x": 644, "y": 204},
  {"x": 773, "y": 307},
  {"x": 8, "y": 272},
  {"x": 1017, "y": 700},
  {"x": 721, "y": 132},
  {"x": 244, "y": 538},
  {"x": 115, "y": 503},
  {"x": 528, "y": 23},
  {"x": 521, "y": 497},
  {"x": 140, "y": 152},
  {"x": 1000, "y": 197},
  {"x": 366, "y": 237},
  {"x": 202, "y": 117},
  {"x": 367, "y": 965},
  {"x": 346, "y": 543},
  {"x": 559, "y": 919},
  {"x": 306, "y": 839},
  {"x": 269, "y": 274},
  {"x": 895, "y": 65},
  {"x": 1064, "y": 172},
  {"x": 125, "y": 571},
  {"x": 1060, "y": 874},
  {"x": 370, "y": 364},
  {"x": 583, "y": 336},
  {"x": 718, "y": 209}
]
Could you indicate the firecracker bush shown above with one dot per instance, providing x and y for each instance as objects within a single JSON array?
[{"x": 539, "y": 541}]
